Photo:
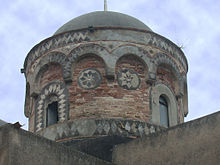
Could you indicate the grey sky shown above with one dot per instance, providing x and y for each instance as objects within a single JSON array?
[{"x": 194, "y": 25}]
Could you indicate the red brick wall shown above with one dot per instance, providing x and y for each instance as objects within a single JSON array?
[
  {"x": 109, "y": 100},
  {"x": 139, "y": 98},
  {"x": 52, "y": 72},
  {"x": 164, "y": 74}
]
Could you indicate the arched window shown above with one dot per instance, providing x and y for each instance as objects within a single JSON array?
[
  {"x": 52, "y": 113},
  {"x": 164, "y": 115}
]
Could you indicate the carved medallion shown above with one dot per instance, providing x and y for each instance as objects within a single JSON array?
[
  {"x": 89, "y": 78},
  {"x": 128, "y": 79}
]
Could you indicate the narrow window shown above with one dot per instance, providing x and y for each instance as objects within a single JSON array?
[
  {"x": 52, "y": 113},
  {"x": 164, "y": 116}
]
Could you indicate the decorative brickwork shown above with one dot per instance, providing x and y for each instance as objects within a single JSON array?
[
  {"x": 51, "y": 72},
  {"x": 58, "y": 90},
  {"x": 100, "y": 127},
  {"x": 90, "y": 49},
  {"x": 128, "y": 79},
  {"x": 108, "y": 73},
  {"x": 164, "y": 59},
  {"x": 89, "y": 78},
  {"x": 169, "y": 72},
  {"x": 78, "y": 37},
  {"x": 93, "y": 87},
  {"x": 54, "y": 42},
  {"x": 56, "y": 58}
]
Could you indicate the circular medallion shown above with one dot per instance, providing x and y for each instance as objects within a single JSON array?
[
  {"x": 89, "y": 78},
  {"x": 128, "y": 79}
]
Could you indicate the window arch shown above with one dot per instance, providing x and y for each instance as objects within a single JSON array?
[
  {"x": 164, "y": 111},
  {"x": 161, "y": 91},
  {"x": 51, "y": 102}
]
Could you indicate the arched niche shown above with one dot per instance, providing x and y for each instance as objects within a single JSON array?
[
  {"x": 53, "y": 57},
  {"x": 49, "y": 72},
  {"x": 133, "y": 63},
  {"x": 132, "y": 50},
  {"x": 89, "y": 80},
  {"x": 95, "y": 50},
  {"x": 166, "y": 70},
  {"x": 88, "y": 60}
]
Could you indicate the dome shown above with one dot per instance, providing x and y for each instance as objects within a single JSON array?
[{"x": 103, "y": 19}]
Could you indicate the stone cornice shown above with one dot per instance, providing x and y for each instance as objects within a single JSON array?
[{"x": 99, "y": 127}]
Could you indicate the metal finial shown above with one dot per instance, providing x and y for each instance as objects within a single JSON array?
[{"x": 105, "y": 5}]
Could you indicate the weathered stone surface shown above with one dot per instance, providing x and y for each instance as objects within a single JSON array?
[
  {"x": 24, "y": 148},
  {"x": 98, "y": 127},
  {"x": 193, "y": 143}
]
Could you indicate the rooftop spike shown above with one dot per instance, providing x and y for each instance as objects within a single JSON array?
[{"x": 105, "y": 5}]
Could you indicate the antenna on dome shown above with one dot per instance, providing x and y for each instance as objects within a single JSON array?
[{"x": 105, "y": 5}]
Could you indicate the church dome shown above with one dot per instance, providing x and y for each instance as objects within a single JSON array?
[
  {"x": 103, "y": 79},
  {"x": 103, "y": 19}
]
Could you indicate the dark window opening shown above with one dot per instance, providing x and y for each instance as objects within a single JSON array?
[
  {"x": 164, "y": 115},
  {"x": 52, "y": 113}
]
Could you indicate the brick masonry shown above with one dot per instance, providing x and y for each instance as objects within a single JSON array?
[
  {"x": 52, "y": 72},
  {"x": 142, "y": 61},
  {"x": 109, "y": 99}
]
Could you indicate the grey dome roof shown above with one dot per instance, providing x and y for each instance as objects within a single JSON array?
[{"x": 103, "y": 19}]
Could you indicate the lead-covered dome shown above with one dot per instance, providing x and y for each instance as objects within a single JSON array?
[{"x": 103, "y": 19}]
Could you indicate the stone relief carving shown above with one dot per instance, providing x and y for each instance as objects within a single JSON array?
[
  {"x": 89, "y": 78},
  {"x": 128, "y": 79},
  {"x": 55, "y": 42}
]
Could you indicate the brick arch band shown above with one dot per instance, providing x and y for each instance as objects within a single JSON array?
[
  {"x": 60, "y": 91},
  {"x": 94, "y": 49},
  {"x": 138, "y": 52},
  {"x": 54, "y": 57},
  {"x": 164, "y": 59},
  {"x": 110, "y": 59}
]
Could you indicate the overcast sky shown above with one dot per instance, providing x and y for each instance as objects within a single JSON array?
[{"x": 194, "y": 25}]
